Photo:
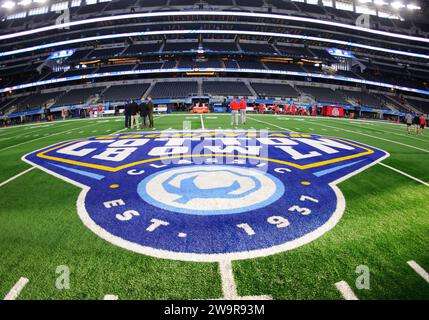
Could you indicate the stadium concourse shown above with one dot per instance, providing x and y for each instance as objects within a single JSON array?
[{"x": 320, "y": 192}]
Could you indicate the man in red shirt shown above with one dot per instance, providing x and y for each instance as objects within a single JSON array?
[
  {"x": 243, "y": 107},
  {"x": 293, "y": 109},
  {"x": 235, "y": 107},
  {"x": 422, "y": 123},
  {"x": 261, "y": 108}
]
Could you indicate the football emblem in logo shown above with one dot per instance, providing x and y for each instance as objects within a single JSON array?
[{"x": 208, "y": 195}]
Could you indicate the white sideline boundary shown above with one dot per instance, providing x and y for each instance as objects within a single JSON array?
[
  {"x": 345, "y": 290},
  {"x": 110, "y": 297},
  {"x": 16, "y": 176},
  {"x": 16, "y": 289},
  {"x": 371, "y": 136},
  {"x": 404, "y": 174},
  {"x": 420, "y": 271},
  {"x": 388, "y": 130},
  {"x": 380, "y": 163},
  {"x": 44, "y": 137}
]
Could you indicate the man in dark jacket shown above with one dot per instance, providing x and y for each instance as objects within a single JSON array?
[
  {"x": 127, "y": 115},
  {"x": 144, "y": 113},
  {"x": 150, "y": 107},
  {"x": 134, "y": 116}
]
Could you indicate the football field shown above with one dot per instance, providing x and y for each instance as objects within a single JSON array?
[{"x": 384, "y": 228}]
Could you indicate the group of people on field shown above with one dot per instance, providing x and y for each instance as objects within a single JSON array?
[
  {"x": 238, "y": 107},
  {"x": 419, "y": 123},
  {"x": 134, "y": 111},
  {"x": 99, "y": 110}
]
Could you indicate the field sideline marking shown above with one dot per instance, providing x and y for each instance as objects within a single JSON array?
[
  {"x": 380, "y": 163},
  {"x": 420, "y": 271},
  {"x": 371, "y": 136},
  {"x": 16, "y": 289},
  {"x": 346, "y": 291},
  {"x": 110, "y": 297},
  {"x": 202, "y": 121},
  {"x": 17, "y": 176},
  {"x": 43, "y": 137},
  {"x": 388, "y": 130},
  {"x": 404, "y": 174}
]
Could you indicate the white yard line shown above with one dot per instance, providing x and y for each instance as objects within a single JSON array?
[
  {"x": 404, "y": 174},
  {"x": 110, "y": 297},
  {"x": 420, "y": 271},
  {"x": 202, "y": 121},
  {"x": 229, "y": 288},
  {"x": 270, "y": 124},
  {"x": 371, "y": 136},
  {"x": 345, "y": 290},
  {"x": 44, "y": 137},
  {"x": 16, "y": 289},
  {"x": 17, "y": 176}
]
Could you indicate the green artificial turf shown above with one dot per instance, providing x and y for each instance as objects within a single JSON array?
[{"x": 385, "y": 224}]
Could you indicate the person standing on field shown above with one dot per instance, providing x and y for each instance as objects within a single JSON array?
[
  {"x": 422, "y": 124},
  {"x": 235, "y": 107},
  {"x": 143, "y": 113},
  {"x": 150, "y": 107},
  {"x": 243, "y": 108},
  {"x": 409, "y": 122},
  {"x": 127, "y": 115},
  {"x": 134, "y": 116}
]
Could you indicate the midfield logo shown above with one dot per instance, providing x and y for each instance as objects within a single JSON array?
[{"x": 208, "y": 195}]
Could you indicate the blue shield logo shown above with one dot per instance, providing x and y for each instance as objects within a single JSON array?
[{"x": 208, "y": 195}]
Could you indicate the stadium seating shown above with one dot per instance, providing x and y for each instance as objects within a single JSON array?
[
  {"x": 226, "y": 88},
  {"x": 77, "y": 72},
  {"x": 78, "y": 96},
  {"x": 257, "y": 47},
  {"x": 323, "y": 94},
  {"x": 176, "y": 89},
  {"x": 116, "y": 68},
  {"x": 220, "y": 46},
  {"x": 105, "y": 53},
  {"x": 138, "y": 49},
  {"x": 180, "y": 46},
  {"x": 274, "y": 90},
  {"x": 125, "y": 92},
  {"x": 423, "y": 106},
  {"x": 363, "y": 98}
]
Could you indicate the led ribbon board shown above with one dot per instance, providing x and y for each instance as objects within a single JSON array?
[
  {"x": 257, "y": 15},
  {"x": 208, "y": 195},
  {"x": 241, "y": 32}
]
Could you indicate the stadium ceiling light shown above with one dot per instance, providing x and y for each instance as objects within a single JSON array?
[
  {"x": 234, "y": 32},
  {"x": 412, "y": 6},
  {"x": 212, "y": 13},
  {"x": 8, "y": 5},
  {"x": 24, "y": 2},
  {"x": 380, "y": 2},
  {"x": 397, "y": 5}
]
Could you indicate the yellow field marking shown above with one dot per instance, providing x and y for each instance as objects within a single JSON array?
[{"x": 126, "y": 166}]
